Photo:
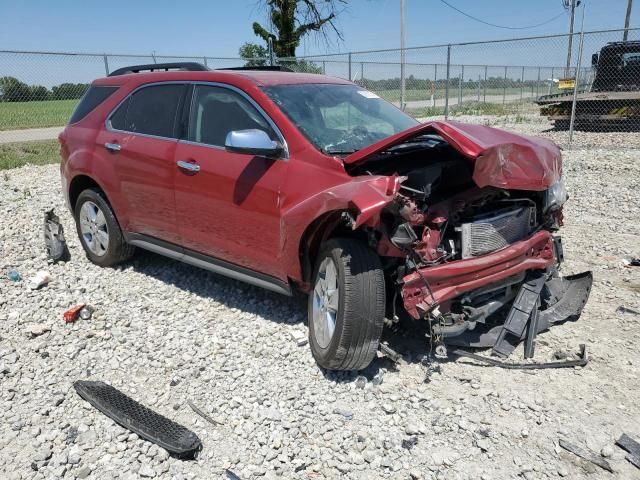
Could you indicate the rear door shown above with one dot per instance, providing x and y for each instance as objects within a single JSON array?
[
  {"x": 141, "y": 137},
  {"x": 230, "y": 207}
]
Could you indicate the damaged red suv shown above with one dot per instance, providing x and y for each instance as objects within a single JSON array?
[{"x": 298, "y": 181}]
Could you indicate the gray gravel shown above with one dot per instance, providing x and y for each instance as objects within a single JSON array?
[{"x": 166, "y": 333}]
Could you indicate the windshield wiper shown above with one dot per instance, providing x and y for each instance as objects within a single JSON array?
[{"x": 339, "y": 152}]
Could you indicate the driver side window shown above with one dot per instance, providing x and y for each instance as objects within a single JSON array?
[{"x": 216, "y": 111}]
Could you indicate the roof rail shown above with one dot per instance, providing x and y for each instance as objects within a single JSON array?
[
  {"x": 266, "y": 68},
  {"x": 153, "y": 67}
]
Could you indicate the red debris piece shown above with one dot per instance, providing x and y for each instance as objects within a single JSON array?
[{"x": 73, "y": 313}]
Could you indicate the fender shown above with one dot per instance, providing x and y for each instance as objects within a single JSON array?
[{"x": 363, "y": 196}]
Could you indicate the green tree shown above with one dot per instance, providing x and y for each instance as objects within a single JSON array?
[
  {"x": 301, "y": 65},
  {"x": 254, "y": 54},
  {"x": 293, "y": 19},
  {"x": 38, "y": 92},
  {"x": 13, "y": 90},
  {"x": 66, "y": 91}
]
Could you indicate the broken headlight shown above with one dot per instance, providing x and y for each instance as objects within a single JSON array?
[{"x": 555, "y": 196}]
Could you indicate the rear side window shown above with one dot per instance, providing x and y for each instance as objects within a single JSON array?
[
  {"x": 93, "y": 97},
  {"x": 151, "y": 111}
]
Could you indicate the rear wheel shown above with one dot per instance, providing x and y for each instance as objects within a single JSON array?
[
  {"x": 98, "y": 229},
  {"x": 346, "y": 306}
]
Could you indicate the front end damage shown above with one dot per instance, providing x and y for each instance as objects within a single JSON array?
[{"x": 469, "y": 239}]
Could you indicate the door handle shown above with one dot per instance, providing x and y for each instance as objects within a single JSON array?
[
  {"x": 112, "y": 147},
  {"x": 190, "y": 167}
]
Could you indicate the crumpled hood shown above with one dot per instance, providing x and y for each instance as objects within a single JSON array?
[{"x": 502, "y": 159}]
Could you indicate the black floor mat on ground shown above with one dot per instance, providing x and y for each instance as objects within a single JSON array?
[{"x": 176, "y": 439}]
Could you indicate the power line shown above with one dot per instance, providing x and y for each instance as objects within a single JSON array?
[{"x": 500, "y": 26}]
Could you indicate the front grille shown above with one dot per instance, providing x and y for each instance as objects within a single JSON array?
[{"x": 491, "y": 233}]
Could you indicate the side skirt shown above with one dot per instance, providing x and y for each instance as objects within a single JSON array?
[{"x": 208, "y": 263}]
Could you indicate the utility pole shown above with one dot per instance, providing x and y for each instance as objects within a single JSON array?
[
  {"x": 402, "y": 59},
  {"x": 570, "y": 4},
  {"x": 626, "y": 22}
]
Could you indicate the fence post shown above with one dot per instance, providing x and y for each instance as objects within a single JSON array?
[
  {"x": 551, "y": 81},
  {"x": 106, "y": 64},
  {"x": 434, "y": 89},
  {"x": 362, "y": 72},
  {"x": 446, "y": 88},
  {"x": 403, "y": 86},
  {"x": 205, "y": 61},
  {"x": 153, "y": 57},
  {"x": 538, "y": 84},
  {"x": 270, "y": 52},
  {"x": 324, "y": 67},
  {"x": 349, "y": 67},
  {"x": 484, "y": 86},
  {"x": 521, "y": 85},
  {"x": 504, "y": 87},
  {"x": 575, "y": 89},
  {"x": 479, "y": 82},
  {"x": 460, "y": 82}
]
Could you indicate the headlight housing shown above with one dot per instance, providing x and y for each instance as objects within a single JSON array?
[{"x": 555, "y": 196}]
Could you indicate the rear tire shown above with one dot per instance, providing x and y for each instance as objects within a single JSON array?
[
  {"x": 345, "y": 331},
  {"x": 98, "y": 230}
]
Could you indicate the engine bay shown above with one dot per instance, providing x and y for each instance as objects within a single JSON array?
[
  {"x": 440, "y": 214},
  {"x": 441, "y": 217}
]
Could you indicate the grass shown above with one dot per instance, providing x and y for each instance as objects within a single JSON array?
[
  {"x": 14, "y": 155},
  {"x": 48, "y": 113}
]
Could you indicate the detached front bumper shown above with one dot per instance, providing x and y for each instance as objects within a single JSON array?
[{"x": 450, "y": 280}]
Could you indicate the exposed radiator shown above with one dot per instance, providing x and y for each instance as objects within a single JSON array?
[{"x": 493, "y": 232}]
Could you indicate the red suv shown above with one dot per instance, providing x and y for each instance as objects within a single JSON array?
[{"x": 298, "y": 181}]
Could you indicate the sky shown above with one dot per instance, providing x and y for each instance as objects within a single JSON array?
[{"x": 218, "y": 28}]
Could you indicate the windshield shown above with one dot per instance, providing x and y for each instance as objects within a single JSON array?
[{"x": 339, "y": 119}]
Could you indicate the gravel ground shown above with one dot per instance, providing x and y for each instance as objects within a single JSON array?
[{"x": 166, "y": 333}]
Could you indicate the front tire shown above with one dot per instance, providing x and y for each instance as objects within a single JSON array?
[
  {"x": 346, "y": 305},
  {"x": 98, "y": 230}
]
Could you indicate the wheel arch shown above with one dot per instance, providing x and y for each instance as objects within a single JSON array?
[
  {"x": 328, "y": 225},
  {"x": 78, "y": 184},
  {"x": 82, "y": 182}
]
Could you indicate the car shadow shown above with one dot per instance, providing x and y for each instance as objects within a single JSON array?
[
  {"x": 408, "y": 339},
  {"x": 228, "y": 292}
]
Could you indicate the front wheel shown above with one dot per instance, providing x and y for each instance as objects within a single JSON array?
[{"x": 346, "y": 306}]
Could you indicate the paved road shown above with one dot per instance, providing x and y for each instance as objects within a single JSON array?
[{"x": 29, "y": 135}]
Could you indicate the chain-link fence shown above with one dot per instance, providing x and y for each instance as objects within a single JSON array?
[{"x": 589, "y": 82}]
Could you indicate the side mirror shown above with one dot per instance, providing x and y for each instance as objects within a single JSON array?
[
  {"x": 252, "y": 142},
  {"x": 594, "y": 59}
]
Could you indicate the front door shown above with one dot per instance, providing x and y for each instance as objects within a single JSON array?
[
  {"x": 141, "y": 142},
  {"x": 228, "y": 204}
]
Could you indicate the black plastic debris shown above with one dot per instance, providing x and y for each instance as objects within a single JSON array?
[
  {"x": 409, "y": 443},
  {"x": 631, "y": 446},
  {"x": 631, "y": 262},
  {"x": 230, "y": 475},
  {"x": 622, "y": 310},
  {"x": 202, "y": 414},
  {"x": 585, "y": 454},
  {"x": 582, "y": 361},
  {"x": 173, "y": 437},
  {"x": 54, "y": 238}
]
